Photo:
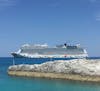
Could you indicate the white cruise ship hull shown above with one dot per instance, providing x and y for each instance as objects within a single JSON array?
[{"x": 39, "y": 51}]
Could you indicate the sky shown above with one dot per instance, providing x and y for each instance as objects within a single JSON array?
[{"x": 49, "y": 21}]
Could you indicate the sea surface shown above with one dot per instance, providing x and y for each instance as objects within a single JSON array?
[{"x": 13, "y": 83}]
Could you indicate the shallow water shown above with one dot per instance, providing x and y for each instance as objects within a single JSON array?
[{"x": 12, "y": 83}]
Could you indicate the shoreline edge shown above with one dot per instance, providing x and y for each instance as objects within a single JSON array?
[{"x": 74, "y": 77}]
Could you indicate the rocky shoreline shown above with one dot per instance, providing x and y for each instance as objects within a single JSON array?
[{"x": 77, "y": 69}]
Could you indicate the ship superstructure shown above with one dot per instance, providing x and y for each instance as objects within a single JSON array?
[{"x": 44, "y": 51}]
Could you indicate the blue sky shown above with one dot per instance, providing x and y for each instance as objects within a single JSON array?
[{"x": 49, "y": 21}]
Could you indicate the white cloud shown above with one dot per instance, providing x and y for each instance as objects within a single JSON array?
[
  {"x": 7, "y": 3},
  {"x": 54, "y": 4},
  {"x": 96, "y": 9},
  {"x": 92, "y": 1},
  {"x": 98, "y": 18}
]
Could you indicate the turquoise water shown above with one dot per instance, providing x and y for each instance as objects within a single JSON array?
[{"x": 12, "y": 83}]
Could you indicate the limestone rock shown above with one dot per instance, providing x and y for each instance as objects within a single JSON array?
[{"x": 76, "y": 66}]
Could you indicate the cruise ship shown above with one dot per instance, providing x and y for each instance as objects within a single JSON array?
[{"x": 44, "y": 51}]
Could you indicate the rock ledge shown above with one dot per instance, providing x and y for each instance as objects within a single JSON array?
[{"x": 77, "y": 69}]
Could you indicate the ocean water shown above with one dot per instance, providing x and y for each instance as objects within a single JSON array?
[{"x": 13, "y": 83}]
